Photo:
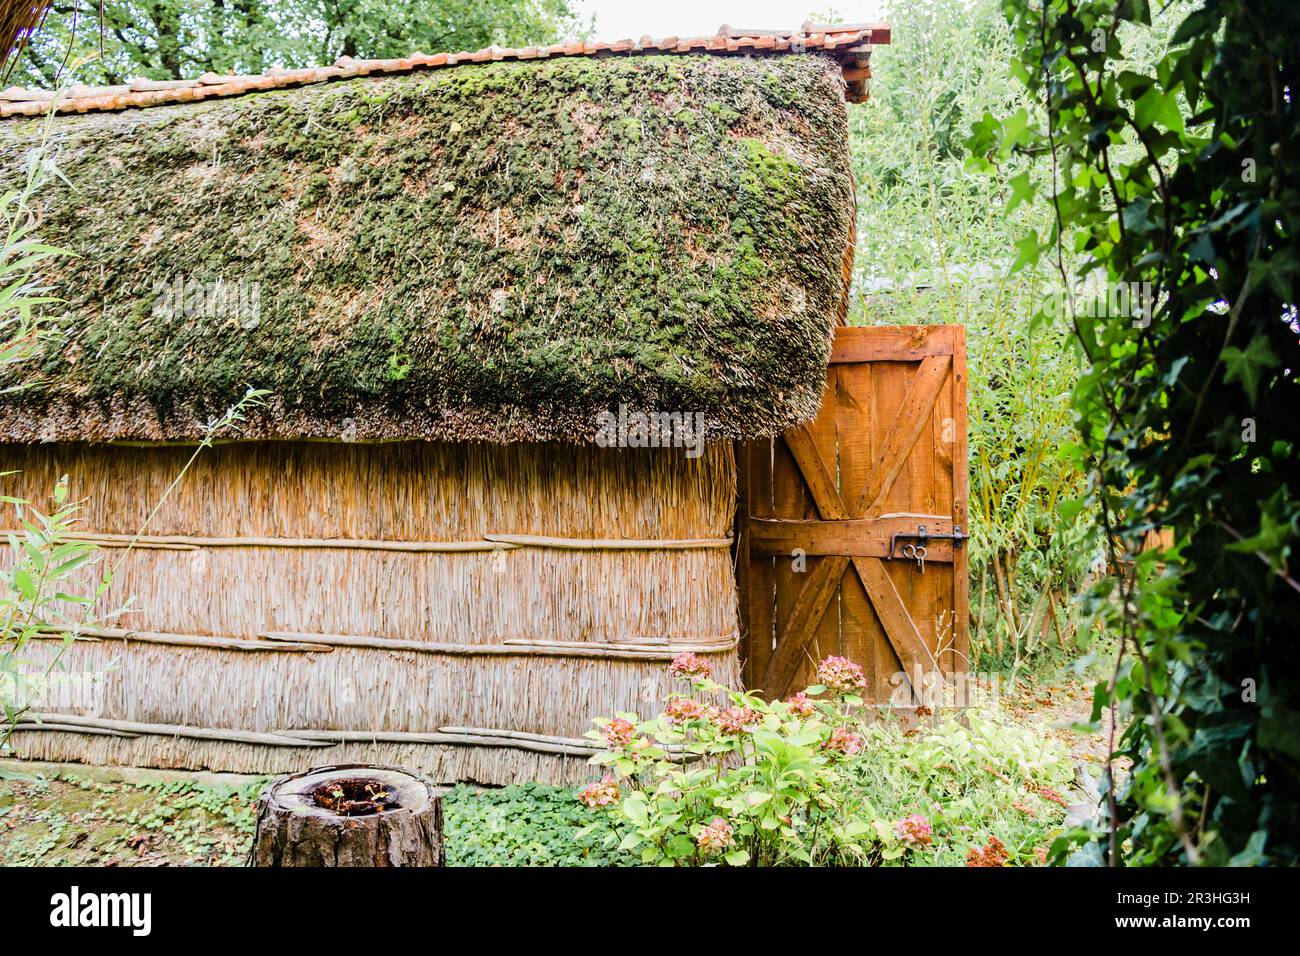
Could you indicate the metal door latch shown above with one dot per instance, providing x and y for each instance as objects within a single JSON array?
[{"x": 917, "y": 551}]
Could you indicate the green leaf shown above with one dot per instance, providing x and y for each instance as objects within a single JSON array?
[
  {"x": 1248, "y": 365},
  {"x": 680, "y": 846},
  {"x": 1157, "y": 106},
  {"x": 1027, "y": 252},
  {"x": 1022, "y": 190}
]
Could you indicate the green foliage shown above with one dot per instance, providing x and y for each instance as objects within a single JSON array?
[
  {"x": 809, "y": 781},
  {"x": 935, "y": 245},
  {"x": 176, "y": 39},
  {"x": 188, "y": 813},
  {"x": 770, "y": 793},
  {"x": 1178, "y": 173},
  {"x": 527, "y": 824},
  {"x": 42, "y": 559},
  {"x": 973, "y": 778}
]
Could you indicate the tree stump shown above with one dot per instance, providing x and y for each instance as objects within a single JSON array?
[{"x": 349, "y": 815}]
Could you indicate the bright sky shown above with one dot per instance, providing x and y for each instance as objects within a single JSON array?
[{"x": 622, "y": 19}]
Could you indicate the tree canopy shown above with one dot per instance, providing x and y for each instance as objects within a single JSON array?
[{"x": 180, "y": 39}]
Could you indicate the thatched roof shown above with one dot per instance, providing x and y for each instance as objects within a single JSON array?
[{"x": 495, "y": 252}]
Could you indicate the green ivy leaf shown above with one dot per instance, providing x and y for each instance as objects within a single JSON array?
[{"x": 1248, "y": 365}]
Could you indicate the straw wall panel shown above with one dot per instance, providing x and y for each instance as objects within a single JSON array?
[{"x": 393, "y": 492}]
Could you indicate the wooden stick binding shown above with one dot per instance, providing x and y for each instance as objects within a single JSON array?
[
  {"x": 473, "y": 737},
  {"x": 609, "y": 544},
  {"x": 489, "y": 542},
  {"x": 72, "y": 729},
  {"x": 172, "y": 730},
  {"x": 303, "y": 642},
  {"x": 185, "y": 640},
  {"x": 458, "y": 736},
  {"x": 612, "y": 651}
]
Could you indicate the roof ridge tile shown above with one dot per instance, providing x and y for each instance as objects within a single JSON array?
[{"x": 849, "y": 43}]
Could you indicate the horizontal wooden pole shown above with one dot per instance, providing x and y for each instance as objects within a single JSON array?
[
  {"x": 184, "y": 640},
  {"x": 183, "y": 542},
  {"x": 311, "y": 643},
  {"x": 609, "y": 544},
  {"x": 566, "y": 746},
  {"x": 855, "y": 537},
  {"x": 490, "y": 542},
  {"x": 177, "y": 730},
  {"x": 518, "y": 648},
  {"x": 53, "y": 727},
  {"x": 458, "y": 736},
  {"x": 891, "y": 343}
]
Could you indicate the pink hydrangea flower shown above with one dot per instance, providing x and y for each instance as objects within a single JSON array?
[
  {"x": 618, "y": 733},
  {"x": 716, "y": 837},
  {"x": 601, "y": 793},
  {"x": 801, "y": 705},
  {"x": 735, "y": 720},
  {"x": 914, "y": 830},
  {"x": 841, "y": 675},
  {"x": 690, "y": 666},
  {"x": 682, "y": 708},
  {"x": 844, "y": 741}
]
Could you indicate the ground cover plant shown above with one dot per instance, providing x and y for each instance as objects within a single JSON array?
[
  {"x": 96, "y": 817},
  {"x": 528, "y": 824}
]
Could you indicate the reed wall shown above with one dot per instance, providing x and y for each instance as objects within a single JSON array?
[{"x": 496, "y": 659}]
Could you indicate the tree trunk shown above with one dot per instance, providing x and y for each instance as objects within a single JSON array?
[{"x": 349, "y": 815}]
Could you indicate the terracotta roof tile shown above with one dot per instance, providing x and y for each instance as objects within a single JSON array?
[{"x": 850, "y": 44}]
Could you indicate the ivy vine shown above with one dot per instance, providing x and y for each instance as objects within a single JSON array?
[{"x": 1179, "y": 185}]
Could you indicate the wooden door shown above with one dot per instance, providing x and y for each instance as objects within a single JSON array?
[{"x": 828, "y": 511}]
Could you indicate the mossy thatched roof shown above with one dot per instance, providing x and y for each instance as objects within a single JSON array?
[{"x": 495, "y": 252}]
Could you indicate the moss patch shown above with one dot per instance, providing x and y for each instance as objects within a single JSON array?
[{"x": 466, "y": 251}]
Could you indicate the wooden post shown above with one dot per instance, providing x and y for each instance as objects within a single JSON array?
[{"x": 349, "y": 815}]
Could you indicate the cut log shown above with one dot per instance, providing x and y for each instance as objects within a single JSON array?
[{"x": 349, "y": 815}]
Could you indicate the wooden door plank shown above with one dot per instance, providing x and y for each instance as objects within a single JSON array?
[
  {"x": 790, "y": 499},
  {"x": 825, "y": 639},
  {"x": 894, "y": 617},
  {"x": 912, "y": 418},
  {"x": 861, "y": 637},
  {"x": 960, "y": 497},
  {"x": 805, "y": 615},
  {"x": 762, "y": 580},
  {"x": 942, "y": 437},
  {"x": 742, "y": 555},
  {"x": 915, "y": 488},
  {"x": 891, "y": 343},
  {"x": 819, "y": 478},
  {"x": 853, "y": 536}
]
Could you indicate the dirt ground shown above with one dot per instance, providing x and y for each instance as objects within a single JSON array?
[
  {"x": 1059, "y": 705},
  {"x": 69, "y": 815}
]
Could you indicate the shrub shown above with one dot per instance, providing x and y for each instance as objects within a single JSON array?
[{"x": 809, "y": 781}]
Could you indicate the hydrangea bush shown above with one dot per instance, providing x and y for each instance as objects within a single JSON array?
[{"x": 722, "y": 777}]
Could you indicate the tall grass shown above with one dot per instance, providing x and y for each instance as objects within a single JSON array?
[{"x": 936, "y": 244}]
